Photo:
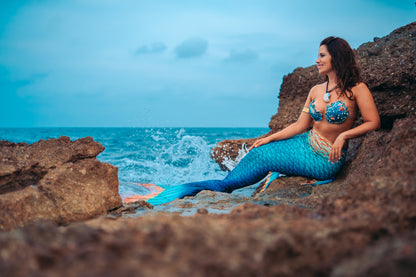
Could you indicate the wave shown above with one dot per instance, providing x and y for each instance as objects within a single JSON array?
[{"x": 162, "y": 156}]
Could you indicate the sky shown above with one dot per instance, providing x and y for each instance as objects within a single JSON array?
[{"x": 133, "y": 63}]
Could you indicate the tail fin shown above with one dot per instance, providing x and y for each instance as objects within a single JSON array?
[
  {"x": 323, "y": 182},
  {"x": 271, "y": 177},
  {"x": 175, "y": 192}
]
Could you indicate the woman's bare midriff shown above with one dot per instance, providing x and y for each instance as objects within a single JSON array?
[{"x": 331, "y": 131}]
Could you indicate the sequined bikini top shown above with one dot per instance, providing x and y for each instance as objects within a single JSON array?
[{"x": 336, "y": 112}]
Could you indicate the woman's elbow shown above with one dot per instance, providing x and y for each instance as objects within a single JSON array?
[
  {"x": 378, "y": 125},
  {"x": 375, "y": 124}
]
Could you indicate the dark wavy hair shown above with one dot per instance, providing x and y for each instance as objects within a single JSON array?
[{"x": 344, "y": 63}]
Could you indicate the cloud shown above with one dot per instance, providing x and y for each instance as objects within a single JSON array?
[
  {"x": 154, "y": 48},
  {"x": 241, "y": 56},
  {"x": 191, "y": 48}
]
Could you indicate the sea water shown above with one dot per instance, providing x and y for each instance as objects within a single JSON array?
[{"x": 161, "y": 156}]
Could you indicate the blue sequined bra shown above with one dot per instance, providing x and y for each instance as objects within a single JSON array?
[{"x": 336, "y": 112}]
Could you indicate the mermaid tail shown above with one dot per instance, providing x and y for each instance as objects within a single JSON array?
[{"x": 302, "y": 155}]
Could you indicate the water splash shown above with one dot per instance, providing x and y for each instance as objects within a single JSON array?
[
  {"x": 172, "y": 158},
  {"x": 231, "y": 164}
]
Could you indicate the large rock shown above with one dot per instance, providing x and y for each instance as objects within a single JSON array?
[{"x": 57, "y": 180}]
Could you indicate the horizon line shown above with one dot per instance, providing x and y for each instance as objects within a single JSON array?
[{"x": 142, "y": 127}]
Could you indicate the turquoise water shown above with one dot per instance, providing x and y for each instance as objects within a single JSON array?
[{"x": 162, "y": 156}]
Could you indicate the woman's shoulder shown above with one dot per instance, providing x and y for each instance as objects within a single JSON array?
[
  {"x": 359, "y": 88},
  {"x": 318, "y": 87},
  {"x": 360, "y": 85}
]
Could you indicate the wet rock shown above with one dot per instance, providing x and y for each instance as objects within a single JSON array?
[
  {"x": 57, "y": 180},
  {"x": 229, "y": 150}
]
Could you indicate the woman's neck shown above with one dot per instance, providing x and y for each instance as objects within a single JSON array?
[{"x": 332, "y": 79}]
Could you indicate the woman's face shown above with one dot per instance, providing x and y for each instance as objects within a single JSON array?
[{"x": 324, "y": 60}]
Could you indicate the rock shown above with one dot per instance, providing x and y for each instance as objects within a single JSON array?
[
  {"x": 252, "y": 240},
  {"x": 229, "y": 149},
  {"x": 382, "y": 176},
  {"x": 388, "y": 67},
  {"x": 23, "y": 165},
  {"x": 389, "y": 257},
  {"x": 57, "y": 180},
  {"x": 388, "y": 62},
  {"x": 288, "y": 188}
]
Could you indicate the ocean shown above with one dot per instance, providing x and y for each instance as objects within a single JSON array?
[{"x": 161, "y": 156}]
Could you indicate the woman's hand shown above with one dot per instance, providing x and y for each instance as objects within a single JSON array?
[
  {"x": 260, "y": 142},
  {"x": 336, "y": 150}
]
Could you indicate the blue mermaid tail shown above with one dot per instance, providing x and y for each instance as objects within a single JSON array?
[{"x": 302, "y": 155}]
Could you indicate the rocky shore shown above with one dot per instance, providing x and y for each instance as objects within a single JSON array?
[
  {"x": 61, "y": 214},
  {"x": 56, "y": 180}
]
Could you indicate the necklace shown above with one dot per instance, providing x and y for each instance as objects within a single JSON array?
[{"x": 327, "y": 94}]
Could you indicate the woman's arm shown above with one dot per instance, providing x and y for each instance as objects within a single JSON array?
[
  {"x": 368, "y": 109},
  {"x": 303, "y": 123}
]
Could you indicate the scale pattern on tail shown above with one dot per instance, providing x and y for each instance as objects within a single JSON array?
[{"x": 303, "y": 155}]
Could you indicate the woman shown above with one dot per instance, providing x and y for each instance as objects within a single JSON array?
[{"x": 315, "y": 145}]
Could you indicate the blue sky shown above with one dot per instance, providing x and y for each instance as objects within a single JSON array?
[{"x": 107, "y": 63}]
